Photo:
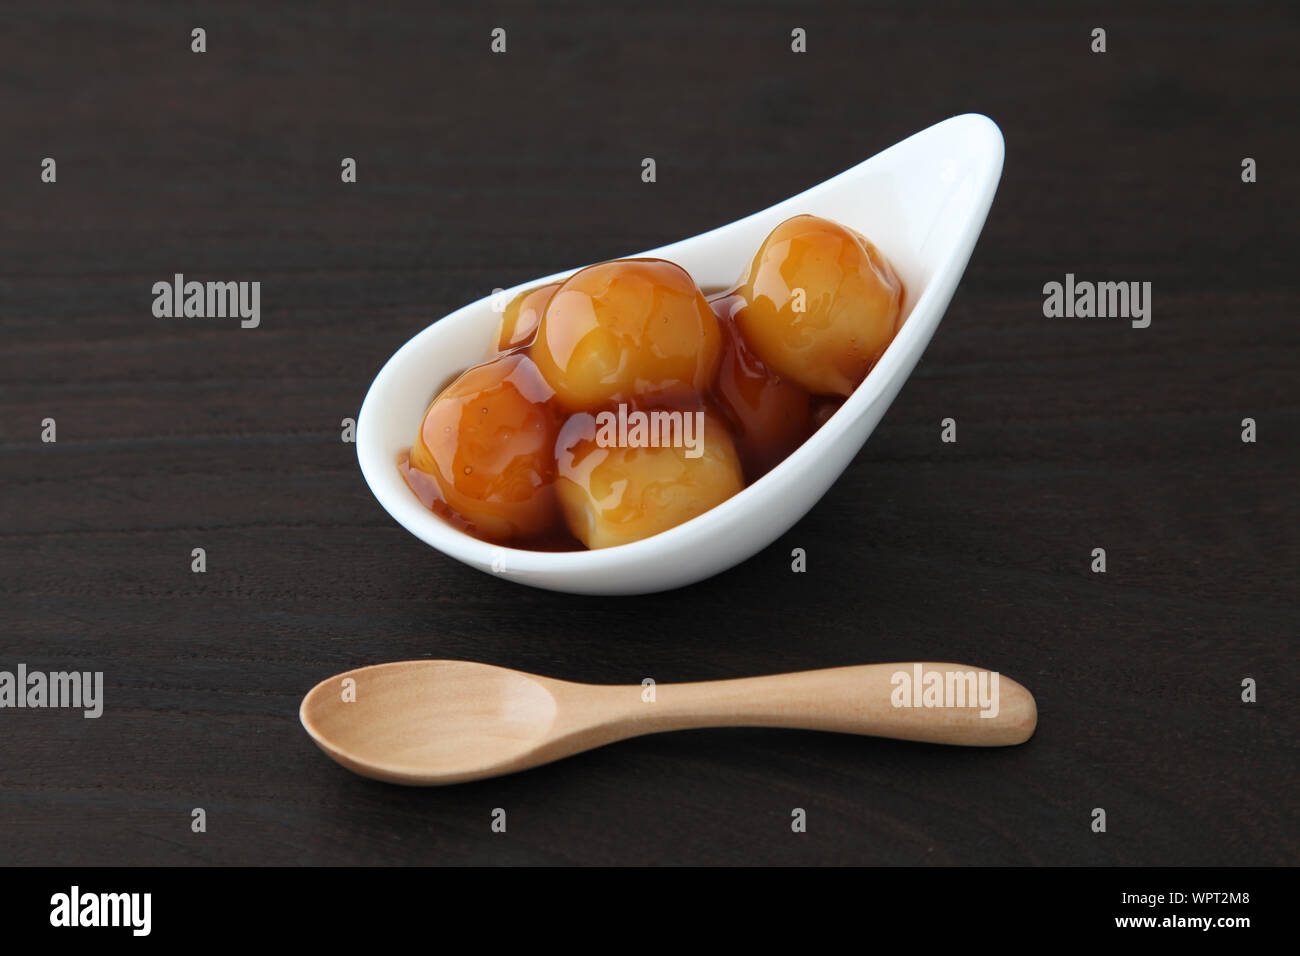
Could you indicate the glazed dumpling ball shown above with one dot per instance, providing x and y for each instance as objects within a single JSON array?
[
  {"x": 820, "y": 305},
  {"x": 520, "y": 318},
  {"x": 619, "y": 494},
  {"x": 489, "y": 442},
  {"x": 627, "y": 329}
]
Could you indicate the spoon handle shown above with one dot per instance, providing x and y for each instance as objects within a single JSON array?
[{"x": 935, "y": 703}]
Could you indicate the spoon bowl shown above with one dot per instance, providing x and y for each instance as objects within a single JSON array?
[
  {"x": 922, "y": 202},
  {"x": 420, "y": 719}
]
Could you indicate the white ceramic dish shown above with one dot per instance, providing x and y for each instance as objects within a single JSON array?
[{"x": 923, "y": 202}]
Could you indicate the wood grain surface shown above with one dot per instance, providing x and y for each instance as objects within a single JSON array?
[{"x": 478, "y": 171}]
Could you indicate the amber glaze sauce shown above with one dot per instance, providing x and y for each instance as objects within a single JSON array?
[
  {"x": 504, "y": 415},
  {"x": 767, "y": 418}
]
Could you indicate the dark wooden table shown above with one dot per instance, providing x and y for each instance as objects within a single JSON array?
[{"x": 477, "y": 171}]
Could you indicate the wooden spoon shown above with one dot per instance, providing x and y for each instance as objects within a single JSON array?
[{"x": 435, "y": 722}]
